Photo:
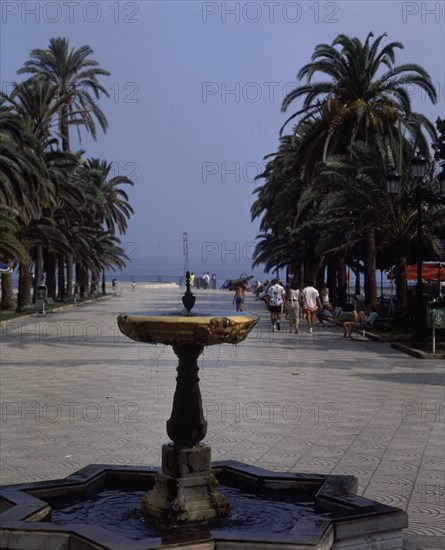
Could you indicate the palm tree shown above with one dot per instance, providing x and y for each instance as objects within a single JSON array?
[
  {"x": 22, "y": 170},
  {"x": 110, "y": 202},
  {"x": 358, "y": 102},
  {"x": 358, "y": 201},
  {"x": 35, "y": 104},
  {"x": 276, "y": 203},
  {"x": 10, "y": 247},
  {"x": 75, "y": 77},
  {"x": 365, "y": 99},
  {"x": 105, "y": 209}
]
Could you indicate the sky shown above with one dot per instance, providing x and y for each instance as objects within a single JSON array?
[{"x": 195, "y": 96}]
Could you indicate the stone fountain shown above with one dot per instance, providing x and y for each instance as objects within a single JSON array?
[
  {"x": 186, "y": 495},
  {"x": 186, "y": 490}
]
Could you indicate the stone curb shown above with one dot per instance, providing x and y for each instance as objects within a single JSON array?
[{"x": 417, "y": 353}]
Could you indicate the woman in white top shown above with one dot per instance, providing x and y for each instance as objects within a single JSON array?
[
  {"x": 293, "y": 306},
  {"x": 325, "y": 302}
]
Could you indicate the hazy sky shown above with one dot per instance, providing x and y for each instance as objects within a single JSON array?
[{"x": 195, "y": 95}]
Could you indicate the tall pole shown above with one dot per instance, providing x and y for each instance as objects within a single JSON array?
[
  {"x": 418, "y": 170},
  {"x": 185, "y": 246},
  {"x": 419, "y": 289}
]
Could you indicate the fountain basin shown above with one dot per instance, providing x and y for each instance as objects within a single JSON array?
[
  {"x": 178, "y": 328},
  {"x": 342, "y": 520}
]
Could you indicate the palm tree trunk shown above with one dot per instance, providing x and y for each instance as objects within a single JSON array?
[
  {"x": 24, "y": 295},
  {"x": 38, "y": 271},
  {"x": 332, "y": 278},
  {"x": 61, "y": 278},
  {"x": 357, "y": 273},
  {"x": 64, "y": 130},
  {"x": 370, "y": 281},
  {"x": 357, "y": 280},
  {"x": 83, "y": 281},
  {"x": 7, "y": 298},
  {"x": 342, "y": 283},
  {"x": 50, "y": 271},
  {"x": 401, "y": 287},
  {"x": 292, "y": 269},
  {"x": 69, "y": 276}
]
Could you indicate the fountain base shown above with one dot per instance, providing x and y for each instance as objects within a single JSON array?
[
  {"x": 341, "y": 520},
  {"x": 186, "y": 490}
]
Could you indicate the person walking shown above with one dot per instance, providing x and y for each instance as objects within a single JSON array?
[
  {"x": 293, "y": 306},
  {"x": 311, "y": 300},
  {"x": 275, "y": 301},
  {"x": 239, "y": 297}
]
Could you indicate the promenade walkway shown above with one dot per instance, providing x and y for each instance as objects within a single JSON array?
[{"x": 74, "y": 391}]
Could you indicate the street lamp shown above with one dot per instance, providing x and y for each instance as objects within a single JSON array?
[
  {"x": 393, "y": 182},
  {"x": 185, "y": 250},
  {"x": 418, "y": 170},
  {"x": 61, "y": 222}
]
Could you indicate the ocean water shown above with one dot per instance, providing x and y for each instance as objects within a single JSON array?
[{"x": 171, "y": 270}]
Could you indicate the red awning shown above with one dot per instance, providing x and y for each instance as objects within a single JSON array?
[{"x": 430, "y": 271}]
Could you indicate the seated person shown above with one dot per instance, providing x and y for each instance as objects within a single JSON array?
[
  {"x": 323, "y": 315},
  {"x": 364, "y": 320},
  {"x": 332, "y": 315}
]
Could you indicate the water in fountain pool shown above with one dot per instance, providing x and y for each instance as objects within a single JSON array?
[{"x": 119, "y": 511}]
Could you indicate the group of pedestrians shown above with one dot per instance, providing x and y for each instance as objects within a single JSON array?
[
  {"x": 296, "y": 302},
  {"x": 308, "y": 303}
]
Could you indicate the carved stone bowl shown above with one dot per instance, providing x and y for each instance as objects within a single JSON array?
[{"x": 176, "y": 329}]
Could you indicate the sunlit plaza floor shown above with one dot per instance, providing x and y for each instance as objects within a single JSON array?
[{"x": 74, "y": 391}]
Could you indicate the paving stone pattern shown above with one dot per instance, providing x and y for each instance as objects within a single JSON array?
[{"x": 74, "y": 391}]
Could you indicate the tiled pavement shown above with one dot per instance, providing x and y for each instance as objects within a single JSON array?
[{"x": 74, "y": 391}]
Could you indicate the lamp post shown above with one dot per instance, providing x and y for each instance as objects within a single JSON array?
[
  {"x": 185, "y": 251},
  {"x": 418, "y": 170},
  {"x": 441, "y": 180},
  {"x": 61, "y": 222}
]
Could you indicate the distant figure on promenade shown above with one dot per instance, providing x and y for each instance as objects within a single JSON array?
[
  {"x": 275, "y": 301},
  {"x": 311, "y": 301},
  {"x": 257, "y": 288},
  {"x": 133, "y": 286},
  {"x": 293, "y": 296},
  {"x": 192, "y": 279},
  {"x": 239, "y": 297},
  {"x": 363, "y": 320},
  {"x": 206, "y": 280}
]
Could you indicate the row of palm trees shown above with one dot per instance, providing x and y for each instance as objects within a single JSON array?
[
  {"x": 60, "y": 212},
  {"x": 324, "y": 202}
]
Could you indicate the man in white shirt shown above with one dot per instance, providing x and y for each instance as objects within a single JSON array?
[
  {"x": 311, "y": 300},
  {"x": 275, "y": 301}
]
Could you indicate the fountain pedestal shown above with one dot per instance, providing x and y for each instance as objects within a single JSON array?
[{"x": 186, "y": 490}]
